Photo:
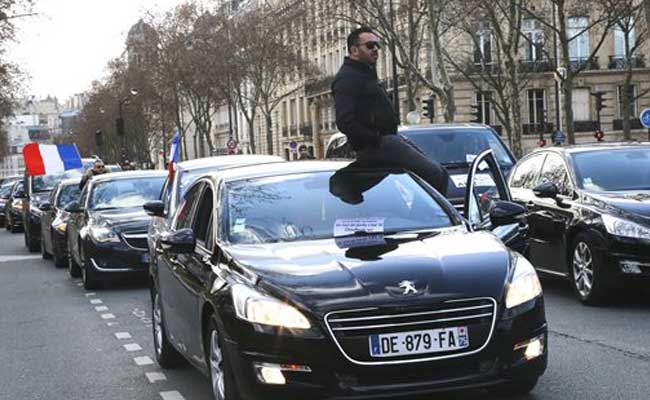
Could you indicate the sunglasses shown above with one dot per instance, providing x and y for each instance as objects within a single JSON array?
[{"x": 370, "y": 45}]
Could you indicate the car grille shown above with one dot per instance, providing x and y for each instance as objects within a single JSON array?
[
  {"x": 136, "y": 240},
  {"x": 351, "y": 329}
]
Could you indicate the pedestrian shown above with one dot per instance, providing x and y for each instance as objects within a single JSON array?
[
  {"x": 304, "y": 153},
  {"x": 365, "y": 114},
  {"x": 97, "y": 169}
]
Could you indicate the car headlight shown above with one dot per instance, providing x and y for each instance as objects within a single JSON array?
[
  {"x": 624, "y": 228},
  {"x": 59, "y": 226},
  {"x": 17, "y": 204},
  {"x": 103, "y": 234},
  {"x": 255, "y": 307},
  {"x": 524, "y": 285}
]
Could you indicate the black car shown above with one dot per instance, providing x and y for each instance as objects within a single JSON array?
[
  {"x": 185, "y": 173},
  {"x": 54, "y": 219},
  {"x": 5, "y": 192},
  {"x": 321, "y": 280},
  {"x": 14, "y": 207},
  {"x": 107, "y": 231},
  {"x": 8, "y": 179},
  {"x": 454, "y": 146},
  {"x": 589, "y": 214}
]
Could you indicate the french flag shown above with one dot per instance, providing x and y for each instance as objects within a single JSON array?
[
  {"x": 46, "y": 159},
  {"x": 174, "y": 154}
]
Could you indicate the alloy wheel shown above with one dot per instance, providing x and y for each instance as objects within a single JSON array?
[
  {"x": 157, "y": 325},
  {"x": 583, "y": 269},
  {"x": 216, "y": 367}
]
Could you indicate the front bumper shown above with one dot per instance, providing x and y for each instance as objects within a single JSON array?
[
  {"x": 626, "y": 260},
  {"x": 332, "y": 376},
  {"x": 34, "y": 227},
  {"x": 116, "y": 259},
  {"x": 16, "y": 217}
]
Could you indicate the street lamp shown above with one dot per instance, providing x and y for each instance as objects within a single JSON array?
[{"x": 119, "y": 123}]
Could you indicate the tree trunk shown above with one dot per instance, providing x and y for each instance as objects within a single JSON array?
[
  {"x": 269, "y": 133},
  {"x": 439, "y": 75},
  {"x": 567, "y": 107}
]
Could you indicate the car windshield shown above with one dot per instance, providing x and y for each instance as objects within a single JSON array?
[
  {"x": 613, "y": 169},
  {"x": 5, "y": 191},
  {"x": 45, "y": 183},
  {"x": 123, "y": 193},
  {"x": 455, "y": 146},
  {"x": 67, "y": 194},
  {"x": 323, "y": 205}
]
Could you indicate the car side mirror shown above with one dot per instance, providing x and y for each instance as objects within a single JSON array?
[
  {"x": 155, "y": 208},
  {"x": 506, "y": 213},
  {"x": 45, "y": 207},
  {"x": 179, "y": 242},
  {"x": 546, "y": 190},
  {"x": 73, "y": 207}
]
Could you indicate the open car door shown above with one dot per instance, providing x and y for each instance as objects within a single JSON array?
[{"x": 486, "y": 191}]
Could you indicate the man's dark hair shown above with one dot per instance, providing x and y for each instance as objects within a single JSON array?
[{"x": 353, "y": 37}]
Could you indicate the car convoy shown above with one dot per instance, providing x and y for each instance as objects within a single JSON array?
[{"x": 321, "y": 279}]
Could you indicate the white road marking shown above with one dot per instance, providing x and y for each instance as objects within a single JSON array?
[
  {"x": 123, "y": 335},
  {"x": 173, "y": 395},
  {"x": 112, "y": 323},
  {"x": 155, "y": 376},
  {"x": 96, "y": 301},
  {"x": 132, "y": 347},
  {"x": 108, "y": 316},
  {"x": 101, "y": 308},
  {"x": 90, "y": 294},
  {"x": 80, "y": 284},
  {"x": 144, "y": 360},
  {"x": 17, "y": 258}
]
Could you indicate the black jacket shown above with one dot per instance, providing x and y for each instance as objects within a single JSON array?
[{"x": 363, "y": 110}]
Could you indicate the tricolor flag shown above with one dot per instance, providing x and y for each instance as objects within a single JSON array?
[
  {"x": 174, "y": 153},
  {"x": 46, "y": 159}
]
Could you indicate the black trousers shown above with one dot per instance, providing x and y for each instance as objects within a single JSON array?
[{"x": 395, "y": 151}]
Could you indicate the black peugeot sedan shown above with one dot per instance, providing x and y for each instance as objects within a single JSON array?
[
  {"x": 321, "y": 280},
  {"x": 54, "y": 219},
  {"x": 454, "y": 146},
  {"x": 14, "y": 207},
  {"x": 5, "y": 192},
  {"x": 589, "y": 215},
  {"x": 107, "y": 231}
]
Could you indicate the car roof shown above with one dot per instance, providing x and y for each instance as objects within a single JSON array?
[
  {"x": 70, "y": 181},
  {"x": 130, "y": 174},
  {"x": 441, "y": 127},
  {"x": 222, "y": 161},
  {"x": 586, "y": 147},
  {"x": 276, "y": 169}
]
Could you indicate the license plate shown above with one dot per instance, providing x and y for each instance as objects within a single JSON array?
[
  {"x": 145, "y": 258},
  {"x": 418, "y": 342}
]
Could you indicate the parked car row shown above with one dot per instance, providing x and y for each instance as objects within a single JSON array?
[{"x": 327, "y": 280}]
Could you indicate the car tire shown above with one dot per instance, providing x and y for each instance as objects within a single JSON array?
[
  {"x": 88, "y": 277},
  {"x": 222, "y": 379},
  {"x": 515, "y": 388},
  {"x": 44, "y": 253},
  {"x": 59, "y": 260},
  {"x": 73, "y": 267},
  {"x": 166, "y": 355},
  {"x": 587, "y": 271},
  {"x": 29, "y": 242}
]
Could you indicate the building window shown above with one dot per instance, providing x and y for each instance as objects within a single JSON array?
[
  {"x": 632, "y": 98},
  {"x": 484, "y": 107},
  {"x": 581, "y": 102},
  {"x": 619, "y": 37},
  {"x": 535, "y": 38},
  {"x": 483, "y": 47},
  {"x": 536, "y": 107},
  {"x": 578, "y": 34}
]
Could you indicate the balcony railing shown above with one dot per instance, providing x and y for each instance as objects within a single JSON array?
[
  {"x": 579, "y": 62},
  {"x": 484, "y": 68},
  {"x": 634, "y": 124},
  {"x": 317, "y": 86},
  {"x": 536, "y": 129},
  {"x": 545, "y": 65},
  {"x": 620, "y": 62},
  {"x": 585, "y": 126}
]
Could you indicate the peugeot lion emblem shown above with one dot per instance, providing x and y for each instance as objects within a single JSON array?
[{"x": 408, "y": 286}]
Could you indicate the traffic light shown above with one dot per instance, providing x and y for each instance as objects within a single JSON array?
[
  {"x": 99, "y": 138},
  {"x": 599, "y": 135},
  {"x": 119, "y": 126},
  {"x": 427, "y": 109},
  {"x": 476, "y": 113},
  {"x": 600, "y": 100}
]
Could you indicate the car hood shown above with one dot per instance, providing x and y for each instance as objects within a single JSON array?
[
  {"x": 123, "y": 219},
  {"x": 40, "y": 198},
  {"x": 323, "y": 275},
  {"x": 632, "y": 202}
]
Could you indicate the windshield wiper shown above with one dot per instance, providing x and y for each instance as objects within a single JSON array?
[
  {"x": 456, "y": 164},
  {"x": 420, "y": 233},
  {"x": 105, "y": 208}
]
